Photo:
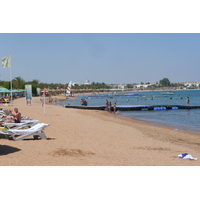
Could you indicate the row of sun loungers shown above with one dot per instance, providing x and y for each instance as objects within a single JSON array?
[{"x": 25, "y": 129}]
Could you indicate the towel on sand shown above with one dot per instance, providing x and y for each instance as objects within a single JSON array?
[{"x": 186, "y": 156}]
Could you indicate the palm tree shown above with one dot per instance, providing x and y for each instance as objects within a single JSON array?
[
  {"x": 18, "y": 82},
  {"x": 35, "y": 82}
]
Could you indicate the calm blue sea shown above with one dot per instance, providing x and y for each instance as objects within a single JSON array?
[{"x": 182, "y": 119}]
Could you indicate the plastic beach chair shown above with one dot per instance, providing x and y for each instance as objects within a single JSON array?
[
  {"x": 24, "y": 116},
  {"x": 21, "y": 134},
  {"x": 22, "y": 124},
  {"x": 5, "y": 112}
]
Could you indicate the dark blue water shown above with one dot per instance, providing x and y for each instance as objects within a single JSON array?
[{"x": 181, "y": 119}]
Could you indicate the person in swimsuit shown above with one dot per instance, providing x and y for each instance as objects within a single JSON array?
[{"x": 16, "y": 115}]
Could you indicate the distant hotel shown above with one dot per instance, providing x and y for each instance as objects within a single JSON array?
[{"x": 190, "y": 84}]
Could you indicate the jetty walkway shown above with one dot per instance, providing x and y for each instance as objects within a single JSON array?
[{"x": 136, "y": 107}]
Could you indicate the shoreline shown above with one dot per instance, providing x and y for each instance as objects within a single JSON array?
[
  {"x": 161, "y": 124},
  {"x": 96, "y": 138},
  {"x": 156, "y": 123}
]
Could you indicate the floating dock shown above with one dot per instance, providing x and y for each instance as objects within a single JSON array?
[{"x": 136, "y": 107}]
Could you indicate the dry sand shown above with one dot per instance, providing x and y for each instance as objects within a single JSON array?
[{"x": 96, "y": 138}]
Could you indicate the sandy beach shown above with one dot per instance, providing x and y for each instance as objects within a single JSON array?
[{"x": 96, "y": 138}]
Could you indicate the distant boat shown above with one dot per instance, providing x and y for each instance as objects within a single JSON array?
[
  {"x": 68, "y": 91},
  {"x": 167, "y": 93}
]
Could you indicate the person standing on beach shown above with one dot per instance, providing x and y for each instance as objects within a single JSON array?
[
  {"x": 107, "y": 104},
  {"x": 115, "y": 108}
]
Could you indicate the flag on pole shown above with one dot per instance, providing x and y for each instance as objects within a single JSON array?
[{"x": 6, "y": 62}]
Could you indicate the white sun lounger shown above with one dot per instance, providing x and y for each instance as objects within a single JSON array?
[
  {"x": 6, "y": 112},
  {"x": 22, "y": 124},
  {"x": 35, "y": 131}
]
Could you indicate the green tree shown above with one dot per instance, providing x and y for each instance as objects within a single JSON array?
[
  {"x": 129, "y": 86},
  {"x": 164, "y": 82},
  {"x": 18, "y": 82},
  {"x": 35, "y": 82},
  {"x": 6, "y": 84}
]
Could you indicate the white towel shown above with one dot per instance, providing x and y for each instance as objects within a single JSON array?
[{"x": 187, "y": 156}]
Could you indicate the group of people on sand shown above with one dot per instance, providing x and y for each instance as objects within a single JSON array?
[
  {"x": 109, "y": 106},
  {"x": 15, "y": 117}
]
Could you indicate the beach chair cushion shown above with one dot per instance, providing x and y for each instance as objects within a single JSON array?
[
  {"x": 33, "y": 129},
  {"x": 22, "y": 124},
  {"x": 36, "y": 130}
]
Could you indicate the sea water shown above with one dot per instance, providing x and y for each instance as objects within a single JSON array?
[{"x": 181, "y": 119}]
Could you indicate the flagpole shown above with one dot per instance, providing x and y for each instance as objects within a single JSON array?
[
  {"x": 44, "y": 100},
  {"x": 10, "y": 80},
  {"x": 44, "y": 103}
]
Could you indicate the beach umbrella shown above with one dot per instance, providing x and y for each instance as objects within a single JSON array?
[
  {"x": 4, "y": 90},
  {"x": 21, "y": 90},
  {"x": 13, "y": 91}
]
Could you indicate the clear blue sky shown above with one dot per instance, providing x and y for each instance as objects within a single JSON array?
[{"x": 108, "y": 57}]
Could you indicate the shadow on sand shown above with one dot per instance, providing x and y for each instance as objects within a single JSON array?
[
  {"x": 36, "y": 139},
  {"x": 2, "y": 136},
  {"x": 5, "y": 149}
]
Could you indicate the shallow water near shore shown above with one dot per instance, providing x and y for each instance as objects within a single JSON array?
[{"x": 182, "y": 119}]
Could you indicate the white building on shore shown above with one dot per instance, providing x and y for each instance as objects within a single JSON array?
[
  {"x": 143, "y": 85},
  {"x": 190, "y": 84}
]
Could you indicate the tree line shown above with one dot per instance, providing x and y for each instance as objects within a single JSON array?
[
  {"x": 165, "y": 82},
  {"x": 19, "y": 83}
]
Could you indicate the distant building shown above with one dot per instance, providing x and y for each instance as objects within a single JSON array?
[
  {"x": 118, "y": 86},
  {"x": 190, "y": 84},
  {"x": 142, "y": 85}
]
